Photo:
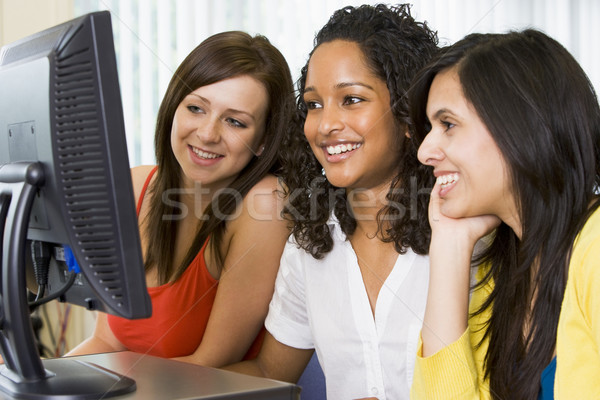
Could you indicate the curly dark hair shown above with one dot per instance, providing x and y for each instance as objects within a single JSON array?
[{"x": 395, "y": 47}]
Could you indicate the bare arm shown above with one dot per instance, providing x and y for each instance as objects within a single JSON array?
[
  {"x": 101, "y": 341},
  {"x": 451, "y": 249},
  {"x": 275, "y": 361},
  {"x": 246, "y": 285}
]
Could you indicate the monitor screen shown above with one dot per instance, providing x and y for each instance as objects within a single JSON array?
[{"x": 65, "y": 195}]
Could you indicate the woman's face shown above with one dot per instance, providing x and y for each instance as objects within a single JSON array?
[
  {"x": 466, "y": 160},
  {"x": 349, "y": 125},
  {"x": 218, "y": 128}
]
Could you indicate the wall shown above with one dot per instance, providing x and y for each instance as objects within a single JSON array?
[
  {"x": 64, "y": 325},
  {"x": 19, "y": 18}
]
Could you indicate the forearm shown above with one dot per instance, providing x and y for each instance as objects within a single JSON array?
[
  {"x": 249, "y": 367},
  {"x": 215, "y": 355},
  {"x": 92, "y": 345},
  {"x": 446, "y": 313}
]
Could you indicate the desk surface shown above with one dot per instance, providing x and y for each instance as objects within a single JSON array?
[{"x": 163, "y": 379}]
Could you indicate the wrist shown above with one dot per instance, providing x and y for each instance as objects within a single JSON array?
[{"x": 452, "y": 246}]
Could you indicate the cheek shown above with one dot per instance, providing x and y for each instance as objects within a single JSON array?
[
  {"x": 177, "y": 129},
  {"x": 388, "y": 138},
  {"x": 259, "y": 139},
  {"x": 173, "y": 136},
  {"x": 310, "y": 128},
  {"x": 243, "y": 148}
]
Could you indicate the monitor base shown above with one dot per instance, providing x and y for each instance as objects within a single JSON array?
[{"x": 67, "y": 380}]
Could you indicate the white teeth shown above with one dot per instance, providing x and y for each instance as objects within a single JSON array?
[
  {"x": 205, "y": 154},
  {"x": 447, "y": 180},
  {"x": 342, "y": 148}
]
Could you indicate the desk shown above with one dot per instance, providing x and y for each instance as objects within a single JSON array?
[{"x": 163, "y": 379}]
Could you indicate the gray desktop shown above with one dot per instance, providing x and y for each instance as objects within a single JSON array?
[{"x": 163, "y": 379}]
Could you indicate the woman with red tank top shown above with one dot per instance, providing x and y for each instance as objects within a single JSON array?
[{"x": 209, "y": 212}]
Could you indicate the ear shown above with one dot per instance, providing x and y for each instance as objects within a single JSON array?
[
  {"x": 260, "y": 150},
  {"x": 407, "y": 134}
]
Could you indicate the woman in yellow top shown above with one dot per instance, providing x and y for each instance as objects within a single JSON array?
[{"x": 511, "y": 126}]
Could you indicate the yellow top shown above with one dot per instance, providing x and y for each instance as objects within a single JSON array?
[
  {"x": 578, "y": 339},
  {"x": 456, "y": 371}
]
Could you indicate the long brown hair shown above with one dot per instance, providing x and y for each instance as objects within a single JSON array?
[{"x": 221, "y": 56}]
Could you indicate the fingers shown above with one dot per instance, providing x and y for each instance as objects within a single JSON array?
[{"x": 434, "y": 204}]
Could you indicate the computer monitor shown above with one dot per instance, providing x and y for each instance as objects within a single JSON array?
[{"x": 65, "y": 186}]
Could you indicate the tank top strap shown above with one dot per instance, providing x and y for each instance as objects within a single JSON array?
[{"x": 144, "y": 188}]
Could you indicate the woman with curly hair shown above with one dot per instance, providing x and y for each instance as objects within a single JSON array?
[{"x": 352, "y": 283}]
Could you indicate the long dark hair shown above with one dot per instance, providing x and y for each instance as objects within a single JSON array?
[
  {"x": 221, "y": 56},
  {"x": 395, "y": 47},
  {"x": 543, "y": 114}
]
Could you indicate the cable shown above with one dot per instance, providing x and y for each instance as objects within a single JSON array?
[
  {"x": 58, "y": 293},
  {"x": 40, "y": 256}
]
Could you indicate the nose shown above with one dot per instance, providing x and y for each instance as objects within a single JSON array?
[
  {"x": 430, "y": 152},
  {"x": 330, "y": 120},
  {"x": 209, "y": 131}
]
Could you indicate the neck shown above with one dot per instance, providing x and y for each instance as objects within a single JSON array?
[
  {"x": 197, "y": 196},
  {"x": 514, "y": 224},
  {"x": 365, "y": 204}
]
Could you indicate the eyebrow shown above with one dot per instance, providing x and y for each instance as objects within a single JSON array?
[
  {"x": 441, "y": 111},
  {"x": 233, "y": 110},
  {"x": 341, "y": 85}
]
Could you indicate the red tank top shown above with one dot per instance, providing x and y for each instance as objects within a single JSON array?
[{"x": 180, "y": 312}]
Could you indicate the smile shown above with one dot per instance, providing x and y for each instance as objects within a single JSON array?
[
  {"x": 204, "y": 154},
  {"x": 447, "y": 180},
  {"x": 342, "y": 148}
]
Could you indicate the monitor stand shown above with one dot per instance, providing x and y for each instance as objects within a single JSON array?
[{"x": 23, "y": 374}]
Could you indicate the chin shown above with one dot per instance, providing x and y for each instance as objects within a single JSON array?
[
  {"x": 454, "y": 212},
  {"x": 339, "y": 181}
]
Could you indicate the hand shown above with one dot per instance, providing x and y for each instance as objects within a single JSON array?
[
  {"x": 450, "y": 255},
  {"x": 470, "y": 229}
]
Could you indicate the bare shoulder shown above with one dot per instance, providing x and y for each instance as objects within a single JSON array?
[
  {"x": 265, "y": 200},
  {"x": 260, "y": 210},
  {"x": 138, "y": 178}
]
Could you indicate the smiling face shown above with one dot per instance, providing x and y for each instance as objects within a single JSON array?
[
  {"x": 349, "y": 124},
  {"x": 466, "y": 160},
  {"x": 217, "y": 129}
]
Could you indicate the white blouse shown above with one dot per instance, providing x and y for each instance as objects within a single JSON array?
[{"x": 323, "y": 304}]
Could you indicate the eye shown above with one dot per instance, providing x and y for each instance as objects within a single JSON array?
[
  {"x": 235, "y": 123},
  {"x": 447, "y": 125},
  {"x": 348, "y": 100},
  {"x": 195, "y": 109},
  {"x": 312, "y": 105}
]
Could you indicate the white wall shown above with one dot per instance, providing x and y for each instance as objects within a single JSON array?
[
  {"x": 19, "y": 18},
  {"x": 157, "y": 34}
]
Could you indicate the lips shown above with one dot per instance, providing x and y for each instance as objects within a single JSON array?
[{"x": 447, "y": 182}]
